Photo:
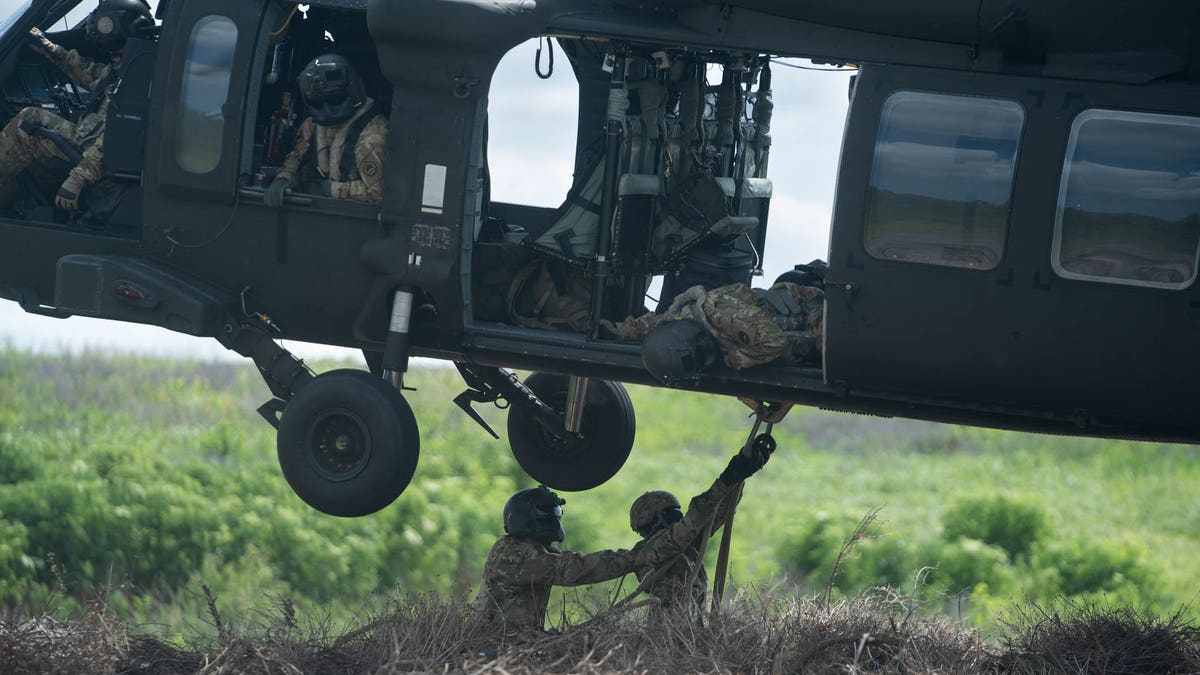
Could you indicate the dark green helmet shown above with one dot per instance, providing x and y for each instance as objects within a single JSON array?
[
  {"x": 536, "y": 513},
  {"x": 678, "y": 352},
  {"x": 114, "y": 21},
  {"x": 332, "y": 89}
]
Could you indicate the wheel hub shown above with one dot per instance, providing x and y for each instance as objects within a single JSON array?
[{"x": 340, "y": 445}]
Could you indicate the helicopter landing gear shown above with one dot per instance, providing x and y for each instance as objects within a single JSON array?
[
  {"x": 600, "y": 412},
  {"x": 348, "y": 443}
]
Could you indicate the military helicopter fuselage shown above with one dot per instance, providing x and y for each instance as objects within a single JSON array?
[{"x": 1014, "y": 240}]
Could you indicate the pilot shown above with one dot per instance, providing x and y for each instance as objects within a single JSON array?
[
  {"x": 525, "y": 563},
  {"x": 107, "y": 28},
  {"x": 658, "y": 517},
  {"x": 350, "y": 136}
]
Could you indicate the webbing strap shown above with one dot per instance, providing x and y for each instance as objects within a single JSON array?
[{"x": 348, "y": 164}]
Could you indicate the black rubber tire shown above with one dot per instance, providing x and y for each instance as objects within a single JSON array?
[
  {"x": 380, "y": 437},
  {"x": 608, "y": 429}
]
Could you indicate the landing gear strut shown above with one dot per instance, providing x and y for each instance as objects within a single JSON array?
[
  {"x": 347, "y": 440},
  {"x": 569, "y": 433}
]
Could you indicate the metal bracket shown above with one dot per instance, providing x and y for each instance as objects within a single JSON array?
[{"x": 492, "y": 385}]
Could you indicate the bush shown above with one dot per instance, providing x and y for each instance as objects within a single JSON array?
[
  {"x": 809, "y": 555},
  {"x": 880, "y": 561},
  {"x": 1012, "y": 524},
  {"x": 1081, "y": 567},
  {"x": 965, "y": 564}
]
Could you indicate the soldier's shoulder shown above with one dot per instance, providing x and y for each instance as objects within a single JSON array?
[
  {"x": 377, "y": 126},
  {"x": 511, "y": 549}
]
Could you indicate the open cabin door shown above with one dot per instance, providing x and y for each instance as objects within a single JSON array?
[{"x": 989, "y": 251}]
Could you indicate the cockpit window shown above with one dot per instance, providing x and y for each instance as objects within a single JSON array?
[
  {"x": 1129, "y": 201},
  {"x": 13, "y": 16},
  {"x": 942, "y": 179},
  {"x": 205, "y": 91}
]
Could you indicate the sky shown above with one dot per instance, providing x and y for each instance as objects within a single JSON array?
[{"x": 531, "y": 149}]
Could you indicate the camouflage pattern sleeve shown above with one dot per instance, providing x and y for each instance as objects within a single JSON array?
[
  {"x": 91, "y": 168},
  {"x": 84, "y": 71},
  {"x": 568, "y": 568},
  {"x": 290, "y": 169},
  {"x": 664, "y": 545},
  {"x": 370, "y": 153},
  {"x": 686, "y": 305}
]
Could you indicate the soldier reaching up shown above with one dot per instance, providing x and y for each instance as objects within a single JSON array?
[
  {"x": 525, "y": 564},
  {"x": 659, "y": 519}
]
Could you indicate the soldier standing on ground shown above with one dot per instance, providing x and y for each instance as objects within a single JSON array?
[
  {"x": 344, "y": 139},
  {"x": 107, "y": 27},
  {"x": 525, "y": 564}
]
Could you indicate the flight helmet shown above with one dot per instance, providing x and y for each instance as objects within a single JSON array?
[
  {"x": 653, "y": 511},
  {"x": 678, "y": 352},
  {"x": 332, "y": 89},
  {"x": 114, "y": 21},
  {"x": 536, "y": 513}
]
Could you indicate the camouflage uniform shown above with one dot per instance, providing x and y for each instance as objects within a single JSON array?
[
  {"x": 519, "y": 571},
  {"x": 751, "y": 330},
  {"x": 365, "y": 184},
  {"x": 685, "y": 577},
  {"x": 18, "y": 149}
]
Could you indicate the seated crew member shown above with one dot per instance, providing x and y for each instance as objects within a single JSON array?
[
  {"x": 108, "y": 26},
  {"x": 525, "y": 564},
  {"x": 350, "y": 136}
]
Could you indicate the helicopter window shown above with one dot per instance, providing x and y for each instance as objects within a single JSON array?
[
  {"x": 205, "y": 91},
  {"x": 1129, "y": 201},
  {"x": 942, "y": 179},
  {"x": 13, "y": 16}
]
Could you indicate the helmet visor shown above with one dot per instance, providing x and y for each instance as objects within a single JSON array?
[{"x": 326, "y": 86}]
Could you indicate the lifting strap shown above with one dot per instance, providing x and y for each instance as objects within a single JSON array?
[
  {"x": 771, "y": 413},
  {"x": 348, "y": 164}
]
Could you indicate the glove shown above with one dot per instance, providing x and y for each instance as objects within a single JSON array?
[
  {"x": 742, "y": 466},
  {"x": 67, "y": 198},
  {"x": 42, "y": 45},
  {"x": 273, "y": 197}
]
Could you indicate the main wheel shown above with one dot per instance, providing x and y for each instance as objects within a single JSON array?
[
  {"x": 348, "y": 443},
  {"x": 571, "y": 462}
]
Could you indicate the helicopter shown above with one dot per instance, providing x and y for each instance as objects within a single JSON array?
[{"x": 1014, "y": 241}]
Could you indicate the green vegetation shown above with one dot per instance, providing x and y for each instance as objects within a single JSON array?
[{"x": 153, "y": 477}]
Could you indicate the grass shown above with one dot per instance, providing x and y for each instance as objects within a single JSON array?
[{"x": 879, "y": 633}]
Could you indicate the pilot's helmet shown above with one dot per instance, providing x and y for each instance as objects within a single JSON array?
[
  {"x": 535, "y": 512},
  {"x": 678, "y": 352},
  {"x": 332, "y": 89},
  {"x": 653, "y": 511},
  {"x": 114, "y": 21}
]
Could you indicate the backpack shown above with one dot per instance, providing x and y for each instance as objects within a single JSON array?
[{"x": 549, "y": 294}]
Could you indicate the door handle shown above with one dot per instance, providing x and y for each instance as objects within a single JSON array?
[{"x": 848, "y": 288}]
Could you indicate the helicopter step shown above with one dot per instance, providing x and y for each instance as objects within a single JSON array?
[{"x": 569, "y": 433}]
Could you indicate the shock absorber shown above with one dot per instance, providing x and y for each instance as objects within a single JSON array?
[{"x": 395, "y": 353}]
